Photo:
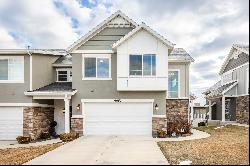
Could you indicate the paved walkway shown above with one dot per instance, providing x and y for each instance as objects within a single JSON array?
[
  {"x": 14, "y": 144},
  {"x": 108, "y": 150},
  {"x": 196, "y": 135}
]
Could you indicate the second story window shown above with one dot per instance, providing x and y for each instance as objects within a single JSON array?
[
  {"x": 97, "y": 67},
  {"x": 64, "y": 75},
  {"x": 173, "y": 83},
  {"x": 11, "y": 69},
  {"x": 142, "y": 65}
]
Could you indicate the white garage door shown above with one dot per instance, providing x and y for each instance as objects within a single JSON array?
[
  {"x": 125, "y": 118},
  {"x": 11, "y": 122}
]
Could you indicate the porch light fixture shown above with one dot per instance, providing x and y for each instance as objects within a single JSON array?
[
  {"x": 78, "y": 107},
  {"x": 156, "y": 107},
  {"x": 63, "y": 110}
]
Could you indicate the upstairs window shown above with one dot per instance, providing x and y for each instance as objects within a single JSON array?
[
  {"x": 97, "y": 67},
  {"x": 173, "y": 84},
  {"x": 64, "y": 75},
  {"x": 11, "y": 69},
  {"x": 142, "y": 65}
]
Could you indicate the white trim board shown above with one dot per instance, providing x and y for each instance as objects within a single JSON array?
[
  {"x": 24, "y": 105},
  {"x": 93, "y": 52},
  {"x": 113, "y": 100}
]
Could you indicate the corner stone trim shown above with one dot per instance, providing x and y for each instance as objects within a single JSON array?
[
  {"x": 159, "y": 123},
  {"x": 77, "y": 125},
  {"x": 37, "y": 120},
  {"x": 177, "y": 109},
  {"x": 242, "y": 109}
]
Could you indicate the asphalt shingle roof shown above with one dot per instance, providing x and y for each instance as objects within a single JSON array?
[
  {"x": 56, "y": 87},
  {"x": 218, "y": 89},
  {"x": 180, "y": 54},
  {"x": 64, "y": 60}
]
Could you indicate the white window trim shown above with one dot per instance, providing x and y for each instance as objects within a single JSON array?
[
  {"x": 179, "y": 83},
  {"x": 143, "y": 76},
  {"x": 108, "y": 56},
  {"x": 68, "y": 74},
  {"x": 13, "y": 81}
]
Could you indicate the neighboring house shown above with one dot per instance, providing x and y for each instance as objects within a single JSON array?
[
  {"x": 121, "y": 78},
  {"x": 228, "y": 99}
]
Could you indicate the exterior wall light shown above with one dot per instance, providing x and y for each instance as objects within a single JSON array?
[
  {"x": 78, "y": 107},
  {"x": 156, "y": 107}
]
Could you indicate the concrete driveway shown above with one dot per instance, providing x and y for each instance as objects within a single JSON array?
[{"x": 107, "y": 150}]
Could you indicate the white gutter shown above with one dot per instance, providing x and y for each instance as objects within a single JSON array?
[{"x": 31, "y": 72}]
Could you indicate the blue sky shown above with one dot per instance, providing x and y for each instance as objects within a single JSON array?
[{"x": 205, "y": 28}]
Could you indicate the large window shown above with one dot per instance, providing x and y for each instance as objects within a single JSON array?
[
  {"x": 11, "y": 69},
  {"x": 64, "y": 75},
  {"x": 142, "y": 65},
  {"x": 173, "y": 84},
  {"x": 96, "y": 67}
]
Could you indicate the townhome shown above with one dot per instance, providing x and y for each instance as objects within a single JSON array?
[
  {"x": 228, "y": 99},
  {"x": 121, "y": 78}
]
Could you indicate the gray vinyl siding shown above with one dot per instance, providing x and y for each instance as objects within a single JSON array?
[
  {"x": 184, "y": 76},
  {"x": 105, "y": 39},
  {"x": 240, "y": 74},
  {"x": 14, "y": 92},
  {"x": 234, "y": 63},
  {"x": 107, "y": 89},
  {"x": 232, "y": 92}
]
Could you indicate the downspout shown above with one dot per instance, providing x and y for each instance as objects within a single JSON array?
[{"x": 31, "y": 79}]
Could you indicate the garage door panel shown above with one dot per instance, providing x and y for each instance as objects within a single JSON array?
[
  {"x": 11, "y": 122},
  {"x": 118, "y": 118}
]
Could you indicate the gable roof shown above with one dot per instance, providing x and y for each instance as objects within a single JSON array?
[
  {"x": 98, "y": 28},
  {"x": 148, "y": 29},
  {"x": 63, "y": 61},
  {"x": 179, "y": 54},
  {"x": 239, "y": 47}
]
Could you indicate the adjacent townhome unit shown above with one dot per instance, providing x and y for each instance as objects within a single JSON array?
[
  {"x": 228, "y": 99},
  {"x": 121, "y": 78}
]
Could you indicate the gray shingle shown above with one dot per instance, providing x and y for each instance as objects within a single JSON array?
[
  {"x": 180, "y": 54},
  {"x": 64, "y": 60},
  {"x": 56, "y": 87}
]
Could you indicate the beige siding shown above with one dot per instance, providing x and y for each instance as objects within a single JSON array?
[
  {"x": 14, "y": 92},
  {"x": 184, "y": 76},
  {"x": 43, "y": 72}
]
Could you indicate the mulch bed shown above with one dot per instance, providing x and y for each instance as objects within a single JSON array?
[
  {"x": 226, "y": 146},
  {"x": 18, "y": 156}
]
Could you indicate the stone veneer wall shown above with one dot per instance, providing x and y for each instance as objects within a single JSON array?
[
  {"x": 177, "y": 109},
  {"x": 77, "y": 125},
  {"x": 37, "y": 120},
  {"x": 242, "y": 109},
  {"x": 159, "y": 123}
]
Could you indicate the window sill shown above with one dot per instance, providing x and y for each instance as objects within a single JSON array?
[
  {"x": 96, "y": 79},
  {"x": 10, "y": 82}
]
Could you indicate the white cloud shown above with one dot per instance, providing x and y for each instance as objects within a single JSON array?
[{"x": 206, "y": 29}]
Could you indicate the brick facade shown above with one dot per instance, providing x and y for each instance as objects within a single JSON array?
[
  {"x": 177, "y": 109},
  {"x": 77, "y": 125},
  {"x": 37, "y": 120},
  {"x": 242, "y": 109},
  {"x": 159, "y": 123}
]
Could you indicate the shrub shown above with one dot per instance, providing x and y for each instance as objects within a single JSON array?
[
  {"x": 67, "y": 137},
  {"x": 161, "y": 134},
  {"x": 45, "y": 135},
  {"x": 178, "y": 128},
  {"x": 23, "y": 139},
  {"x": 201, "y": 124}
]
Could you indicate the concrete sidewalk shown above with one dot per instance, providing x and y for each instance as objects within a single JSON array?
[{"x": 108, "y": 150}]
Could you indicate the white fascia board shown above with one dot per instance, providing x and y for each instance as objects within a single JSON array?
[
  {"x": 225, "y": 91},
  {"x": 13, "y": 51},
  {"x": 93, "y": 52},
  {"x": 24, "y": 105},
  {"x": 113, "y": 100},
  {"x": 148, "y": 29},
  {"x": 62, "y": 65},
  {"x": 50, "y": 93},
  {"x": 97, "y": 29}
]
